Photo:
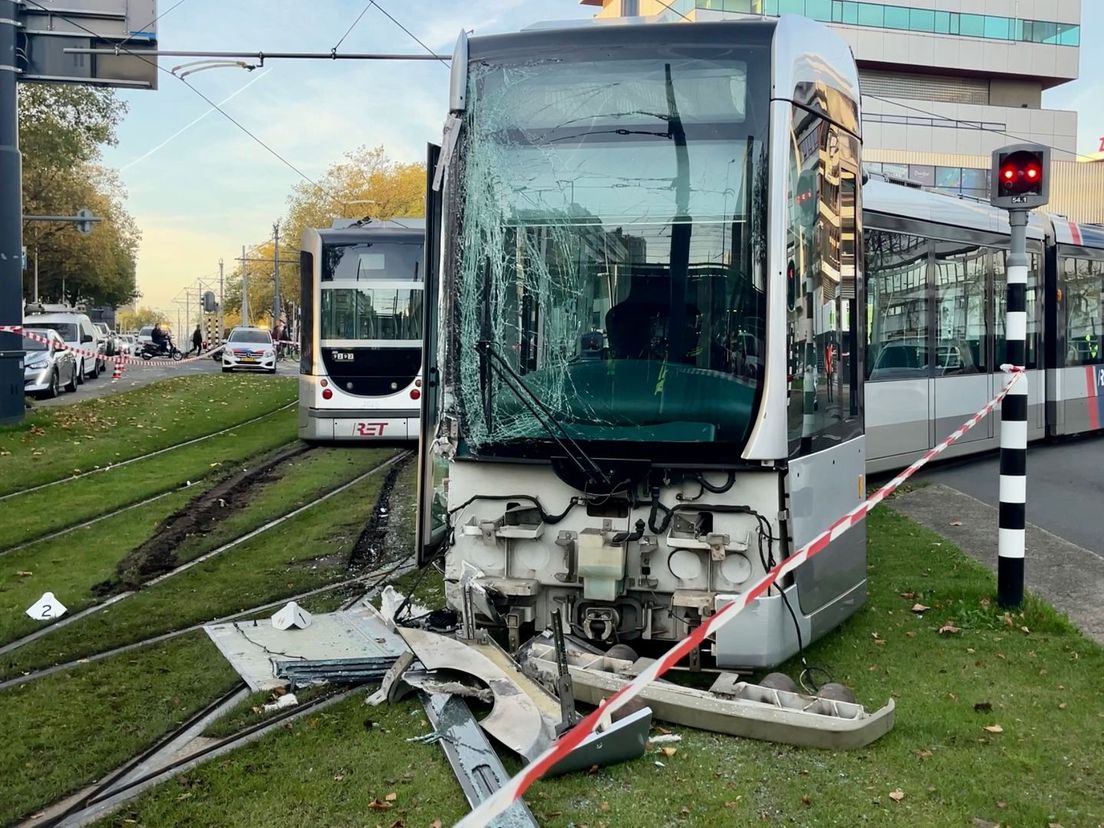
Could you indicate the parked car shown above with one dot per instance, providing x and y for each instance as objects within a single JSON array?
[
  {"x": 110, "y": 339},
  {"x": 250, "y": 349},
  {"x": 48, "y": 366},
  {"x": 126, "y": 344},
  {"x": 145, "y": 336},
  {"x": 77, "y": 332}
]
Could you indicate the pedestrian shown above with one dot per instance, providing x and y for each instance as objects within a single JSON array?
[{"x": 197, "y": 341}]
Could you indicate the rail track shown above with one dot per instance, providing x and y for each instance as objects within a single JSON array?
[
  {"x": 377, "y": 579},
  {"x": 141, "y": 457},
  {"x": 268, "y": 526},
  {"x": 157, "y": 763}
]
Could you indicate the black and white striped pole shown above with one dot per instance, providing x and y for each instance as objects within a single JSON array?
[{"x": 1021, "y": 176}]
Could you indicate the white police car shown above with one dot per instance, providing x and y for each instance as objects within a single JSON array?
[{"x": 249, "y": 349}]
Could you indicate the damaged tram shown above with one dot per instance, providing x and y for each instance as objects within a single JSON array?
[{"x": 643, "y": 358}]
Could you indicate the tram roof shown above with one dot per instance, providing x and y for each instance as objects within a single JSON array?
[
  {"x": 910, "y": 202},
  {"x": 1082, "y": 235},
  {"x": 399, "y": 229}
]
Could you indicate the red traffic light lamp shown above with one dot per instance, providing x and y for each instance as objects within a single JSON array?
[{"x": 1020, "y": 177}]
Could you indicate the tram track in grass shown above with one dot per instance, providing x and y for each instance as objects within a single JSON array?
[
  {"x": 82, "y": 723},
  {"x": 237, "y": 541},
  {"x": 131, "y": 460},
  {"x": 63, "y": 444},
  {"x": 50, "y": 510},
  {"x": 392, "y": 572},
  {"x": 128, "y": 781}
]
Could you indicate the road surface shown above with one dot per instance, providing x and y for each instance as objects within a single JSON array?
[
  {"x": 1064, "y": 561},
  {"x": 135, "y": 376},
  {"x": 1065, "y": 487}
]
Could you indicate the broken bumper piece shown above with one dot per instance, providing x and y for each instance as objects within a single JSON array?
[{"x": 733, "y": 707}]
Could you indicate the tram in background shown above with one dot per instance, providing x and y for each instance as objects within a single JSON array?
[
  {"x": 645, "y": 242},
  {"x": 935, "y": 294},
  {"x": 361, "y": 330}
]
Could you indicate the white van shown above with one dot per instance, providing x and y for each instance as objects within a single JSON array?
[{"x": 77, "y": 331}]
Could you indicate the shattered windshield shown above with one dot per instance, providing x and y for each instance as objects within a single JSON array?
[{"x": 610, "y": 248}]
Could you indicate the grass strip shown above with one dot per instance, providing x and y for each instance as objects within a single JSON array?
[
  {"x": 1029, "y": 673},
  {"x": 358, "y": 758},
  {"x": 301, "y": 481},
  {"x": 72, "y": 577},
  {"x": 38, "y": 513},
  {"x": 308, "y": 551},
  {"x": 66, "y": 731},
  {"x": 70, "y": 565},
  {"x": 50, "y": 444}
]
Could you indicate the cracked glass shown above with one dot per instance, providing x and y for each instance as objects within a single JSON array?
[{"x": 608, "y": 281}]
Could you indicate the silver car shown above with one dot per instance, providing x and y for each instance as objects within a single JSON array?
[{"x": 47, "y": 366}]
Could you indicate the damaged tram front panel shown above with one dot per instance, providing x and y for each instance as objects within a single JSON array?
[{"x": 643, "y": 365}]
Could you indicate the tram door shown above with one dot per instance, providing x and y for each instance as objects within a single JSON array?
[
  {"x": 898, "y": 392},
  {"x": 960, "y": 360}
]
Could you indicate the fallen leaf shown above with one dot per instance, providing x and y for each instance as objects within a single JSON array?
[
  {"x": 603, "y": 806},
  {"x": 436, "y": 824},
  {"x": 1054, "y": 825},
  {"x": 920, "y": 608},
  {"x": 978, "y": 822},
  {"x": 956, "y": 523},
  {"x": 24, "y": 573},
  {"x": 1002, "y": 804},
  {"x": 897, "y": 795},
  {"x": 949, "y": 629},
  {"x": 668, "y": 751},
  {"x": 339, "y": 777},
  {"x": 1007, "y": 620},
  {"x": 923, "y": 754},
  {"x": 684, "y": 810},
  {"x": 806, "y": 800},
  {"x": 909, "y": 596},
  {"x": 379, "y": 805},
  {"x": 1062, "y": 705},
  {"x": 971, "y": 650},
  {"x": 983, "y": 707},
  {"x": 911, "y": 633},
  {"x": 994, "y": 728},
  {"x": 391, "y": 797},
  {"x": 1025, "y": 630}
]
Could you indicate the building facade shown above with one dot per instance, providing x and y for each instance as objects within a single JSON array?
[{"x": 945, "y": 82}]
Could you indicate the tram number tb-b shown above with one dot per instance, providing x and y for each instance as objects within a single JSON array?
[{"x": 369, "y": 429}]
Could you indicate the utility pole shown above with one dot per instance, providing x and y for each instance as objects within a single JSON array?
[
  {"x": 245, "y": 291},
  {"x": 1021, "y": 181},
  {"x": 222, "y": 312},
  {"x": 275, "y": 272},
  {"x": 11, "y": 224}
]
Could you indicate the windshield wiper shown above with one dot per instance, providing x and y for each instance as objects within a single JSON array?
[{"x": 576, "y": 453}]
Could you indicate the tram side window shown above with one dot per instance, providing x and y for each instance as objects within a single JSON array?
[
  {"x": 1084, "y": 299},
  {"x": 896, "y": 306},
  {"x": 1000, "y": 304},
  {"x": 961, "y": 273}
]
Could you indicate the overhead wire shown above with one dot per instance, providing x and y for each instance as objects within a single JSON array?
[
  {"x": 130, "y": 36},
  {"x": 352, "y": 25},
  {"x": 413, "y": 36}
]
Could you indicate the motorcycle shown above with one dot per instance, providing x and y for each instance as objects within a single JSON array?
[{"x": 151, "y": 350}]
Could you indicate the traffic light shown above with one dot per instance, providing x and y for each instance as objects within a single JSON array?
[
  {"x": 84, "y": 223},
  {"x": 210, "y": 303},
  {"x": 1021, "y": 176}
]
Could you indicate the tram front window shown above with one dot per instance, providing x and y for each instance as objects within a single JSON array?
[
  {"x": 610, "y": 248},
  {"x": 377, "y": 314}
]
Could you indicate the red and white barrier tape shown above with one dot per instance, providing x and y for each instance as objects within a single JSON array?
[
  {"x": 516, "y": 787},
  {"x": 117, "y": 358}
]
